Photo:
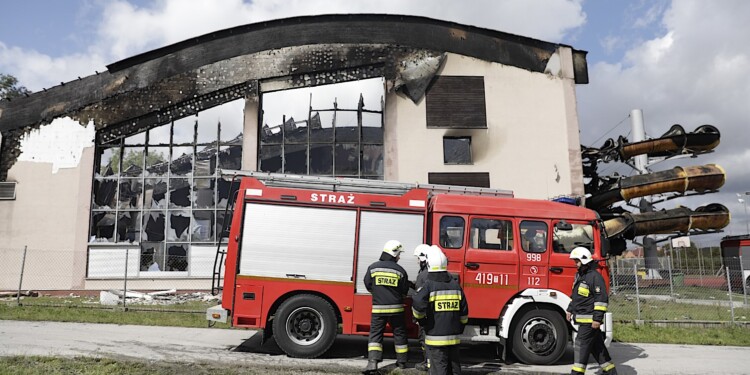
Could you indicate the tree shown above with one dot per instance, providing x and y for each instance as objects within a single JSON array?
[{"x": 9, "y": 87}]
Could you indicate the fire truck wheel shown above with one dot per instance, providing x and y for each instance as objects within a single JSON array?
[
  {"x": 539, "y": 337},
  {"x": 305, "y": 326}
]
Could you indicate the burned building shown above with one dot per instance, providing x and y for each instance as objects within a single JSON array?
[{"x": 370, "y": 96}]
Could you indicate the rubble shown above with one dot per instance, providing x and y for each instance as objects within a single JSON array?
[{"x": 164, "y": 297}]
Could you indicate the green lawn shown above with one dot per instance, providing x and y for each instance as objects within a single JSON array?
[{"x": 104, "y": 366}]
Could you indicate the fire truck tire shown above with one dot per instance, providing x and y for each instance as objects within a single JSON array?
[
  {"x": 305, "y": 326},
  {"x": 540, "y": 336}
]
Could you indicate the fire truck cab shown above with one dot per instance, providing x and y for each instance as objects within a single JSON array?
[{"x": 299, "y": 246}]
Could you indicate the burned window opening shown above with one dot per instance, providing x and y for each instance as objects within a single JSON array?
[
  {"x": 456, "y": 102},
  {"x": 161, "y": 187},
  {"x": 457, "y": 150},
  {"x": 327, "y": 130}
]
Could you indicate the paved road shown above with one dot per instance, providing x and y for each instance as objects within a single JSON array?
[{"x": 243, "y": 347}]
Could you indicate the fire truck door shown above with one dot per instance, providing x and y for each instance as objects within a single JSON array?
[
  {"x": 534, "y": 254},
  {"x": 490, "y": 269}
]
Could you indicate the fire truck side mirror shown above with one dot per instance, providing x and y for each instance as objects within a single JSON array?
[
  {"x": 616, "y": 246},
  {"x": 563, "y": 225}
]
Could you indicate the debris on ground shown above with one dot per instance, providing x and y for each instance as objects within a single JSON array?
[{"x": 163, "y": 297}]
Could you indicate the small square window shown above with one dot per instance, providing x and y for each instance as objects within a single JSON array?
[{"x": 457, "y": 150}]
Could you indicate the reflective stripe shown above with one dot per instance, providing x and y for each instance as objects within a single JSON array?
[
  {"x": 606, "y": 366},
  {"x": 464, "y": 319},
  {"x": 577, "y": 368},
  {"x": 374, "y": 346},
  {"x": 584, "y": 320},
  {"x": 600, "y": 308},
  {"x": 386, "y": 270},
  {"x": 445, "y": 295},
  {"x": 388, "y": 311},
  {"x": 388, "y": 274},
  {"x": 601, "y": 304},
  {"x": 402, "y": 349},
  {"x": 417, "y": 314},
  {"x": 442, "y": 340}
]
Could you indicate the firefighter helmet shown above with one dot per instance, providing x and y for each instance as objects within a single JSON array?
[
  {"x": 393, "y": 248},
  {"x": 436, "y": 260},
  {"x": 421, "y": 252},
  {"x": 581, "y": 253}
]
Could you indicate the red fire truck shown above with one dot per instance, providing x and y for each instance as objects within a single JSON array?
[{"x": 299, "y": 246}]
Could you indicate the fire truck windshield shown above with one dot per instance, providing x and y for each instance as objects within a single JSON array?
[{"x": 581, "y": 235}]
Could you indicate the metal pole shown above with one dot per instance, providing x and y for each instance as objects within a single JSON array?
[
  {"x": 744, "y": 283},
  {"x": 20, "y": 279},
  {"x": 729, "y": 287},
  {"x": 637, "y": 292},
  {"x": 125, "y": 287},
  {"x": 712, "y": 261},
  {"x": 700, "y": 264},
  {"x": 669, "y": 268},
  {"x": 747, "y": 221}
]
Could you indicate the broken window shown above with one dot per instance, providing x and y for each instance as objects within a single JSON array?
[
  {"x": 165, "y": 191},
  {"x": 327, "y": 130},
  {"x": 476, "y": 179},
  {"x": 457, "y": 150}
]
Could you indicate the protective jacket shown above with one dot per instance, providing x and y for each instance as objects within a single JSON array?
[
  {"x": 441, "y": 308},
  {"x": 589, "y": 298},
  {"x": 388, "y": 283}
]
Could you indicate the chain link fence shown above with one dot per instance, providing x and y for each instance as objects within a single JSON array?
[
  {"x": 114, "y": 278},
  {"x": 686, "y": 288},
  {"x": 698, "y": 289}
]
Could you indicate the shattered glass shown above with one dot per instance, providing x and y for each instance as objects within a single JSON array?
[
  {"x": 132, "y": 161},
  {"x": 203, "y": 226},
  {"x": 109, "y": 162},
  {"x": 182, "y": 161},
  {"x": 153, "y": 226},
  {"x": 178, "y": 226},
  {"x": 105, "y": 191},
  {"x": 131, "y": 193},
  {"x": 203, "y": 193},
  {"x": 230, "y": 157},
  {"x": 129, "y": 226},
  {"x": 177, "y": 257},
  {"x": 179, "y": 193},
  {"x": 102, "y": 226},
  {"x": 157, "y": 161},
  {"x": 152, "y": 256},
  {"x": 205, "y": 161},
  {"x": 155, "y": 193},
  {"x": 226, "y": 190}
]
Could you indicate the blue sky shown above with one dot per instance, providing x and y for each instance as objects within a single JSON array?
[{"x": 681, "y": 62}]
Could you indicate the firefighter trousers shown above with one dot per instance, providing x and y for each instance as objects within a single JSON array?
[
  {"x": 591, "y": 342},
  {"x": 377, "y": 329},
  {"x": 425, "y": 358},
  {"x": 444, "y": 360}
]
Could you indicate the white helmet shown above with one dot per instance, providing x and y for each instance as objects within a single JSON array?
[
  {"x": 393, "y": 248},
  {"x": 421, "y": 252},
  {"x": 436, "y": 260},
  {"x": 581, "y": 253}
]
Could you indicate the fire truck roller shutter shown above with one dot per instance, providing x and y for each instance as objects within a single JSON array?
[
  {"x": 377, "y": 228},
  {"x": 298, "y": 242}
]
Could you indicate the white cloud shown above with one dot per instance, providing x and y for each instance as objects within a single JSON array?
[
  {"x": 124, "y": 29},
  {"x": 694, "y": 73}
]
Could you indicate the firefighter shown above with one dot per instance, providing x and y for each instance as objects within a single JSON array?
[
  {"x": 587, "y": 308},
  {"x": 420, "y": 252},
  {"x": 441, "y": 308},
  {"x": 388, "y": 283}
]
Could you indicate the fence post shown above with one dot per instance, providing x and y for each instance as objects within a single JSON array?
[
  {"x": 700, "y": 264},
  {"x": 669, "y": 269},
  {"x": 20, "y": 279},
  {"x": 729, "y": 287},
  {"x": 744, "y": 283},
  {"x": 637, "y": 292},
  {"x": 125, "y": 287}
]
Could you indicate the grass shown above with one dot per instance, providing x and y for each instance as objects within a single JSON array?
[
  {"x": 73, "y": 313},
  {"x": 74, "y": 309},
  {"x": 731, "y": 336},
  {"x": 33, "y": 365}
]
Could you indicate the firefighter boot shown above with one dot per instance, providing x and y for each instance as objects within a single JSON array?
[
  {"x": 422, "y": 366},
  {"x": 372, "y": 367},
  {"x": 613, "y": 371}
]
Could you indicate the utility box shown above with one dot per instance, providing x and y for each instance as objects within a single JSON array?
[{"x": 735, "y": 254}]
